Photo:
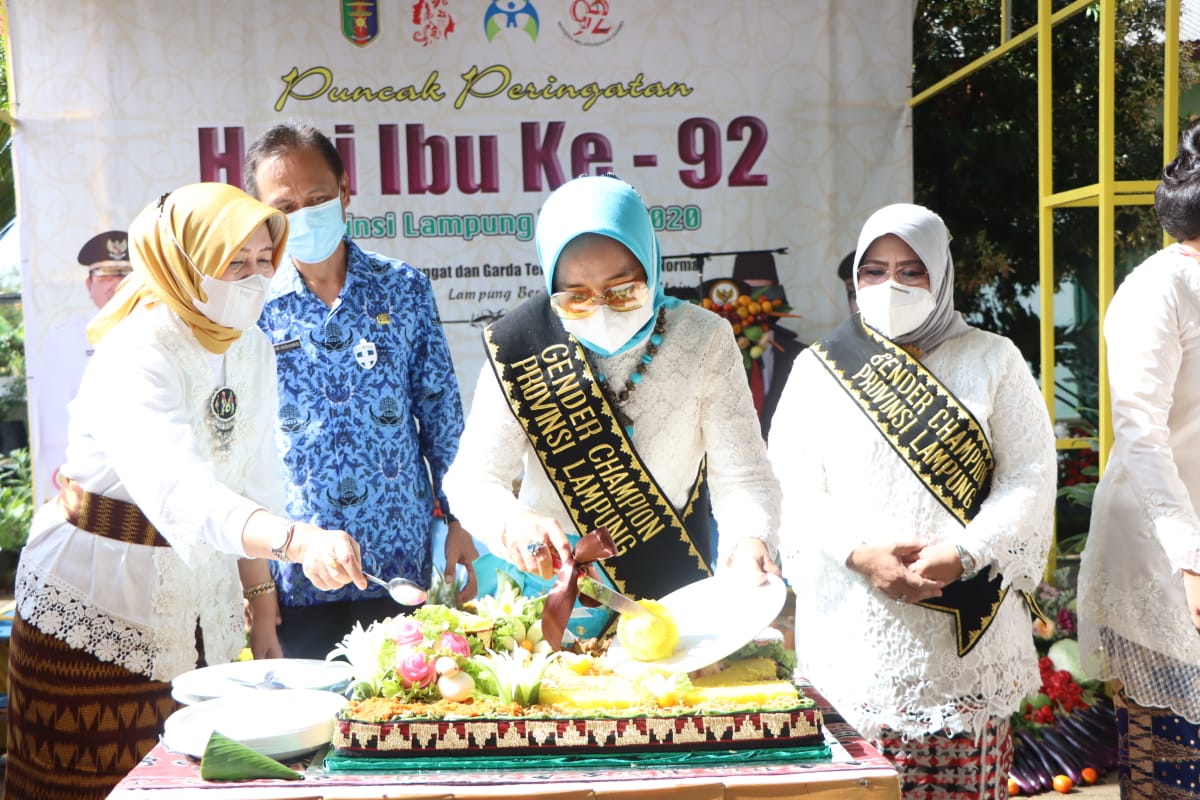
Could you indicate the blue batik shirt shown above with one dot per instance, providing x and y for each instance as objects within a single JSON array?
[{"x": 369, "y": 415}]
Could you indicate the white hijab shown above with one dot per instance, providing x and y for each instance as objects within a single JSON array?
[{"x": 925, "y": 233}]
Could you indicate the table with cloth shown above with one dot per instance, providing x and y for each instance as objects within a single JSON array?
[{"x": 854, "y": 769}]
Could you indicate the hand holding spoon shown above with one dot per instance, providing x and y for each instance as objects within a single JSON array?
[{"x": 402, "y": 590}]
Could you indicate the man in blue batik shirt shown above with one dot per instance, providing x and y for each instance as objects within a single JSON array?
[{"x": 369, "y": 409}]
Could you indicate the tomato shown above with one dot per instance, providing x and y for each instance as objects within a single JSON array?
[
  {"x": 1014, "y": 788},
  {"x": 1062, "y": 784},
  {"x": 1089, "y": 775}
]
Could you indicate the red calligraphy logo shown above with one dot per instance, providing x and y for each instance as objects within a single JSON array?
[
  {"x": 591, "y": 16},
  {"x": 433, "y": 21}
]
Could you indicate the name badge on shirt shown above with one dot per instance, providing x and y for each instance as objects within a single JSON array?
[{"x": 290, "y": 344}]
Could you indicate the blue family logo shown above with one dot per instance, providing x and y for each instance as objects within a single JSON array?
[
  {"x": 591, "y": 23},
  {"x": 360, "y": 21},
  {"x": 515, "y": 14}
]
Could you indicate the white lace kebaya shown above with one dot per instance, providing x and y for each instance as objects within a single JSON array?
[
  {"x": 1134, "y": 623},
  {"x": 882, "y": 663},
  {"x": 149, "y": 383},
  {"x": 685, "y": 407}
]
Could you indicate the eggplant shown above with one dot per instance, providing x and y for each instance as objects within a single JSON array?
[
  {"x": 1100, "y": 715},
  {"x": 1061, "y": 754},
  {"x": 1039, "y": 758},
  {"x": 1023, "y": 763},
  {"x": 1095, "y": 750},
  {"x": 1028, "y": 784},
  {"x": 1105, "y": 711},
  {"x": 1105, "y": 736},
  {"x": 1025, "y": 754},
  {"x": 1097, "y": 727}
]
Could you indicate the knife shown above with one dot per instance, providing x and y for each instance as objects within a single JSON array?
[{"x": 610, "y": 598}]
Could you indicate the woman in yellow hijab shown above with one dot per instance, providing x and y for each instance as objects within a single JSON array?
[{"x": 131, "y": 576}]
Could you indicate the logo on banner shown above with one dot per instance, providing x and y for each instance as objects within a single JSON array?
[
  {"x": 433, "y": 21},
  {"x": 511, "y": 14},
  {"x": 590, "y": 22},
  {"x": 360, "y": 21}
]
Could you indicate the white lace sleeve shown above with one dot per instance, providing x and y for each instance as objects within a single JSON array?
[
  {"x": 263, "y": 472},
  {"x": 138, "y": 413},
  {"x": 744, "y": 492},
  {"x": 1014, "y": 525},
  {"x": 801, "y": 473},
  {"x": 1144, "y": 330},
  {"x": 479, "y": 484}
]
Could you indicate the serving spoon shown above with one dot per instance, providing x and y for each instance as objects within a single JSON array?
[
  {"x": 402, "y": 590},
  {"x": 268, "y": 682}
]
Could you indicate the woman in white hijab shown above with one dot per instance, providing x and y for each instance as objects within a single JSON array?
[{"x": 917, "y": 464}]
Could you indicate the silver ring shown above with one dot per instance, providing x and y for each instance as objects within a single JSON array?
[
  {"x": 533, "y": 548},
  {"x": 902, "y": 600}
]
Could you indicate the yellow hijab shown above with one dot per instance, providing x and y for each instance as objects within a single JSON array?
[{"x": 211, "y": 222}]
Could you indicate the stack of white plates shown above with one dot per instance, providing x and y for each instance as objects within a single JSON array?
[
  {"x": 282, "y": 724},
  {"x": 240, "y": 677}
]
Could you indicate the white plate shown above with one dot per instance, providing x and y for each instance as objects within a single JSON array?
[
  {"x": 716, "y": 617},
  {"x": 284, "y": 723},
  {"x": 294, "y": 673}
]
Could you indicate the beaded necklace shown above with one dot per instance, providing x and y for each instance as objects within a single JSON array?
[{"x": 617, "y": 399}]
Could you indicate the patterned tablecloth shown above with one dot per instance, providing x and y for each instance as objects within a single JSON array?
[{"x": 855, "y": 769}]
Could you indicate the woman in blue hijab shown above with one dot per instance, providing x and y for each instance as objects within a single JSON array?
[{"x": 614, "y": 406}]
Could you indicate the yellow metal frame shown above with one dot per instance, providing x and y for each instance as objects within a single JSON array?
[{"x": 1105, "y": 195}]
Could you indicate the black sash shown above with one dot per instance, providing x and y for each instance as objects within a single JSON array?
[
  {"x": 939, "y": 440},
  {"x": 589, "y": 459}
]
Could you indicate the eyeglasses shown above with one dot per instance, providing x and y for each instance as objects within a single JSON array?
[
  {"x": 909, "y": 275},
  {"x": 625, "y": 297}
]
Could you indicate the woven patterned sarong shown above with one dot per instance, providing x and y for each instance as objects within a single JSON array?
[
  {"x": 939, "y": 767},
  {"x": 76, "y": 724},
  {"x": 1158, "y": 753}
]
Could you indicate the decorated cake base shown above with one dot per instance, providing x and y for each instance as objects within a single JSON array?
[
  {"x": 525, "y": 735},
  {"x": 487, "y": 683},
  {"x": 593, "y": 712}
]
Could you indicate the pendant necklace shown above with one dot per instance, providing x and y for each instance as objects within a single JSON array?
[
  {"x": 617, "y": 399},
  {"x": 222, "y": 413}
]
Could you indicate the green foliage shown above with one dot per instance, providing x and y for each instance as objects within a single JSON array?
[
  {"x": 8, "y": 193},
  {"x": 975, "y": 151},
  {"x": 12, "y": 362},
  {"x": 16, "y": 499}
]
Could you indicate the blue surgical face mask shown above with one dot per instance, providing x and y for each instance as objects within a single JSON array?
[{"x": 315, "y": 232}]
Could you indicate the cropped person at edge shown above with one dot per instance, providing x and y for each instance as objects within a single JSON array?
[{"x": 130, "y": 578}]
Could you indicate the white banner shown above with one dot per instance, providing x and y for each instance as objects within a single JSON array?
[{"x": 745, "y": 124}]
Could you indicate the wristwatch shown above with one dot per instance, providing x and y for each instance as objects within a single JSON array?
[
  {"x": 969, "y": 567},
  {"x": 281, "y": 541}
]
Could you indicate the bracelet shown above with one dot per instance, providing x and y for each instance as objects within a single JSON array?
[
  {"x": 280, "y": 553},
  {"x": 258, "y": 591}
]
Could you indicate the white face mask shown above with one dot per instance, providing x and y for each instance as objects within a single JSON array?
[
  {"x": 234, "y": 304},
  {"x": 894, "y": 309},
  {"x": 607, "y": 329}
]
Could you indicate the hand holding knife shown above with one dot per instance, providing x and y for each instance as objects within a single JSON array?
[{"x": 610, "y": 598}]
